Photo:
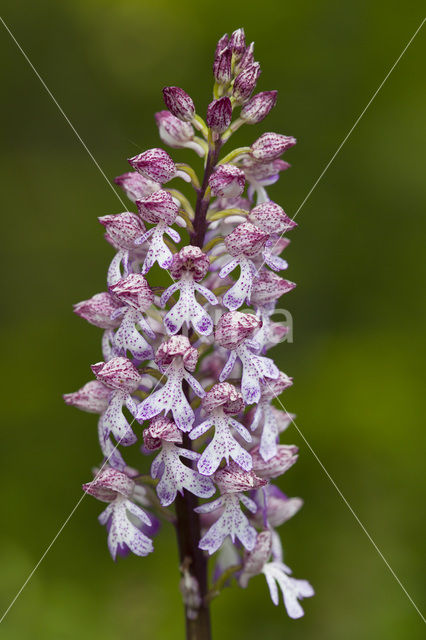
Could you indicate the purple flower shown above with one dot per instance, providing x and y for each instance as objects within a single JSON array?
[
  {"x": 219, "y": 113},
  {"x": 123, "y": 229},
  {"x": 176, "y": 133},
  {"x": 179, "y": 103},
  {"x": 93, "y": 397},
  {"x": 268, "y": 287},
  {"x": 116, "y": 488},
  {"x": 285, "y": 457},
  {"x": 100, "y": 310},
  {"x": 271, "y": 218},
  {"x": 237, "y": 43}
]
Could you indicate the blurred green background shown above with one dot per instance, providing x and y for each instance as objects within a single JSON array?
[{"x": 359, "y": 313}]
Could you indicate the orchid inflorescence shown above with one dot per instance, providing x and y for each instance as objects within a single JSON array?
[{"x": 168, "y": 354}]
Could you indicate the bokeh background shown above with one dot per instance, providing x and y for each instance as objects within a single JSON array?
[{"x": 359, "y": 309}]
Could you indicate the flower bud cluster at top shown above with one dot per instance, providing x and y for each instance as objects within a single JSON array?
[{"x": 186, "y": 365}]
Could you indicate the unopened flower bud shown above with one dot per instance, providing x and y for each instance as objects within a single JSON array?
[
  {"x": 221, "y": 44},
  {"x": 222, "y": 66},
  {"x": 245, "y": 83},
  {"x": 136, "y": 186},
  {"x": 108, "y": 484},
  {"x": 271, "y": 218},
  {"x": 223, "y": 395},
  {"x": 271, "y": 145},
  {"x": 234, "y": 327},
  {"x": 93, "y": 397},
  {"x": 133, "y": 290},
  {"x": 172, "y": 130},
  {"x": 233, "y": 479},
  {"x": 99, "y": 310},
  {"x": 155, "y": 164},
  {"x": 160, "y": 206},
  {"x": 237, "y": 43},
  {"x": 227, "y": 181},
  {"x": 219, "y": 114},
  {"x": 118, "y": 373},
  {"x": 258, "y": 107},
  {"x": 191, "y": 260},
  {"x": 246, "y": 239},
  {"x": 122, "y": 229},
  {"x": 179, "y": 103},
  {"x": 247, "y": 59},
  {"x": 174, "y": 347},
  {"x": 268, "y": 287}
]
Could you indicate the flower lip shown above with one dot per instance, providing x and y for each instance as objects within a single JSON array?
[
  {"x": 99, "y": 310},
  {"x": 117, "y": 373},
  {"x": 108, "y": 484},
  {"x": 155, "y": 164},
  {"x": 174, "y": 347},
  {"x": 192, "y": 260},
  {"x": 133, "y": 290},
  {"x": 179, "y": 103},
  {"x": 234, "y": 327},
  {"x": 223, "y": 395},
  {"x": 233, "y": 479}
]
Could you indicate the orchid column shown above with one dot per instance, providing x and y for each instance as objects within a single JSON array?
[{"x": 184, "y": 371}]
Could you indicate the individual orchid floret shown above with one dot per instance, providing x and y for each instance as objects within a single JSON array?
[
  {"x": 135, "y": 293},
  {"x": 93, "y": 397},
  {"x": 256, "y": 109},
  {"x": 222, "y": 400},
  {"x": 245, "y": 83},
  {"x": 136, "y": 186},
  {"x": 271, "y": 145},
  {"x": 268, "y": 287},
  {"x": 118, "y": 489},
  {"x": 222, "y": 66},
  {"x": 100, "y": 310},
  {"x": 175, "y": 358},
  {"x": 227, "y": 181},
  {"x": 174, "y": 476},
  {"x": 232, "y": 481},
  {"x": 177, "y": 133},
  {"x": 256, "y": 369},
  {"x": 277, "y": 574},
  {"x": 247, "y": 59},
  {"x": 157, "y": 165},
  {"x": 285, "y": 457},
  {"x": 273, "y": 420},
  {"x": 243, "y": 243},
  {"x": 179, "y": 103},
  {"x": 219, "y": 114},
  {"x": 161, "y": 210},
  {"x": 120, "y": 375},
  {"x": 122, "y": 230},
  {"x": 189, "y": 266}
]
